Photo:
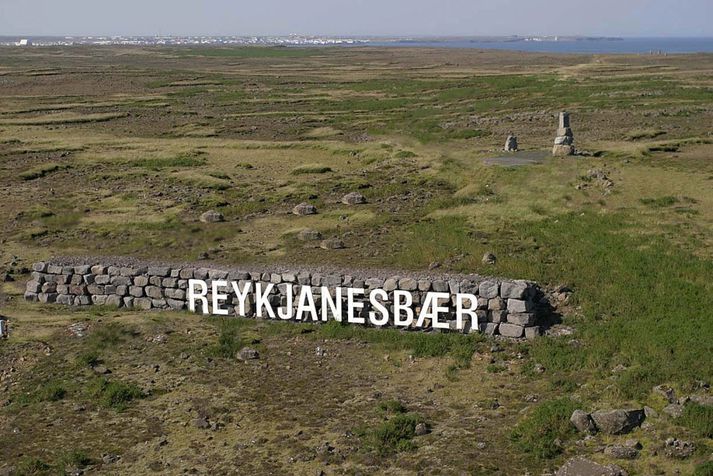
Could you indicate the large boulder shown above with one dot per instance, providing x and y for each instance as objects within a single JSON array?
[
  {"x": 580, "y": 466},
  {"x": 211, "y": 216},
  {"x": 617, "y": 422}
]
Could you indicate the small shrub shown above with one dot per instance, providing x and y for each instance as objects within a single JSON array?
[
  {"x": 116, "y": 395},
  {"x": 88, "y": 359},
  {"x": 537, "y": 434},
  {"x": 109, "y": 335},
  {"x": 73, "y": 459},
  {"x": 392, "y": 406},
  {"x": 51, "y": 392},
  {"x": 699, "y": 419},
  {"x": 393, "y": 435},
  {"x": 229, "y": 339},
  {"x": 29, "y": 466}
]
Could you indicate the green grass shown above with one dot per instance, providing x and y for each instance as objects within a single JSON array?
[
  {"x": 704, "y": 469},
  {"x": 311, "y": 169},
  {"x": 699, "y": 419},
  {"x": 458, "y": 346},
  {"x": 114, "y": 394},
  {"x": 540, "y": 432}
]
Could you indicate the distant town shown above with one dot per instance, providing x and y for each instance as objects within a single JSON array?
[{"x": 289, "y": 40}]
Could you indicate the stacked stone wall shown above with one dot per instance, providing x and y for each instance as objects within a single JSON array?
[{"x": 505, "y": 307}]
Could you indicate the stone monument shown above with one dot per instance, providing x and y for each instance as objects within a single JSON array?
[
  {"x": 564, "y": 142},
  {"x": 511, "y": 143}
]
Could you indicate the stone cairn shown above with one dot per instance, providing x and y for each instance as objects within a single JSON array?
[
  {"x": 505, "y": 307},
  {"x": 511, "y": 143},
  {"x": 564, "y": 142}
]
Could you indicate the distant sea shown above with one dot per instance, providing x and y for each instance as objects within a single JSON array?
[{"x": 580, "y": 45}]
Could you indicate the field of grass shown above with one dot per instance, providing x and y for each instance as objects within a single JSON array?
[{"x": 126, "y": 166}]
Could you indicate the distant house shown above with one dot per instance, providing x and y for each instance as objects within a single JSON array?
[{"x": 24, "y": 42}]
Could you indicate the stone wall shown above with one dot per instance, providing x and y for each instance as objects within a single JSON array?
[{"x": 505, "y": 307}]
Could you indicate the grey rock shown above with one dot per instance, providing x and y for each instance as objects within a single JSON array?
[
  {"x": 304, "y": 209},
  {"x": 524, "y": 319},
  {"x": 332, "y": 244},
  {"x": 408, "y": 284},
  {"x": 617, "y": 422},
  {"x": 421, "y": 429},
  {"x": 560, "y": 150},
  {"x": 514, "y": 290},
  {"x": 353, "y": 198},
  {"x": 673, "y": 410},
  {"x": 211, "y": 216},
  {"x": 162, "y": 271},
  {"x": 489, "y": 289},
  {"x": 439, "y": 286},
  {"x": 246, "y": 353},
  {"x": 532, "y": 332},
  {"x": 309, "y": 235},
  {"x": 678, "y": 449},
  {"x": 391, "y": 284},
  {"x": 621, "y": 452},
  {"x": 489, "y": 258},
  {"x": 511, "y": 330},
  {"x": 583, "y": 422},
  {"x": 520, "y": 305}
]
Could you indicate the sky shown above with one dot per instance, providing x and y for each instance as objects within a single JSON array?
[{"x": 358, "y": 17}]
